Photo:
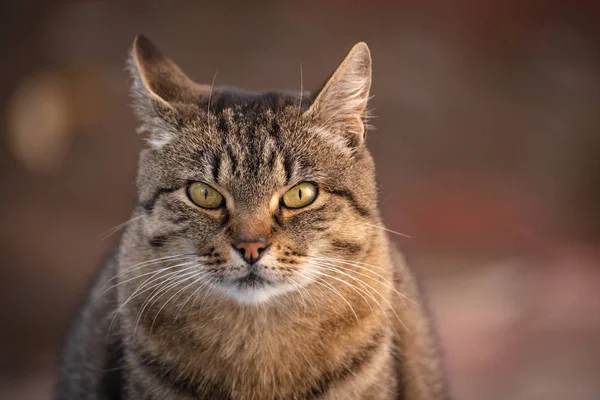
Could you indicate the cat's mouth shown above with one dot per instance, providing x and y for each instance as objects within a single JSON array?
[
  {"x": 252, "y": 280},
  {"x": 255, "y": 284}
]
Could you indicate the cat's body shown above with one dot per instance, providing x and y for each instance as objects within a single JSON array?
[{"x": 283, "y": 287}]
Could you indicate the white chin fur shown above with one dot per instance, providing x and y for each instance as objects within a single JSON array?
[{"x": 256, "y": 295}]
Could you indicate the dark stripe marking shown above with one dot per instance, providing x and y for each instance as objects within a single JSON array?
[
  {"x": 216, "y": 168},
  {"x": 308, "y": 215},
  {"x": 277, "y": 218},
  {"x": 350, "y": 247},
  {"x": 271, "y": 160},
  {"x": 351, "y": 199},
  {"x": 225, "y": 220},
  {"x": 288, "y": 169},
  {"x": 222, "y": 124},
  {"x": 349, "y": 368},
  {"x": 318, "y": 211},
  {"x": 168, "y": 375},
  {"x": 157, "y": 241},
  {"x": 233, "y": 160},
  {"x": 149, "y": 205}
]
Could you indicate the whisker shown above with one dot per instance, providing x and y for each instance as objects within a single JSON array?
[
  {"x": 335, "y": 268},
  {"x": 319, "y": 280},
  {"x": 211, "y": 283},
  {"x": 302, "y": 272},
  {"x": 355, "y": 289},
  {"x": 301, "y": 286},
  {"x": 202, "y": 285},
  {"x": 301, "y": 93},
  {"x": 138, "y": 291},
  {"x": 176, "y": 293},
  {"x": 134, "y": 278},
  {"x": 376, "y": 291},
  {"x": 149, "y": 283},
  {"x": 364, "y": 266},
  {"x": 183, "y": 276},
  {"x": 299, "y": 293},
  {"x": 106, "y": 234},
  {"x": 388, "y": 230},
  {"x": 387, "y": 282},
  {"x": 367, "y": 286},
  {"x": 149, "y": 262},
  {"x": 212, "y": 85}
]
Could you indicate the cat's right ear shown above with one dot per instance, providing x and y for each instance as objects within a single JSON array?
[{"x": 159, "y": 87}]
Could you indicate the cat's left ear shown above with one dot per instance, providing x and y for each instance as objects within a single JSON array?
[
  {"x": 341, "y": 104},
  {"x": 158, "y": 77},
  {"x": 159, "y": 89}
]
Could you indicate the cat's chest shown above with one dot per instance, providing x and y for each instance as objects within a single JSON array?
[
  {"x": 245, "y": 348},
  {"x": 249, "y": 360},
  {"x": 254, "y": 368}
]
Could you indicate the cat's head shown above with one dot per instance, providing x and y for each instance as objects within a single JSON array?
[{"x": 262, "y": 190}]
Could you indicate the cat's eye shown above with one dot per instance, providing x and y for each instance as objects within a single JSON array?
[
  {"x": 204, "y": 196},
  {"x": 300, "y": 195}
]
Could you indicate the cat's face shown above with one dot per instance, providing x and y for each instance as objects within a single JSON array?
[{"x": 263, "y": 191}]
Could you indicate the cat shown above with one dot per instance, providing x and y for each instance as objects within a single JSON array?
[{"x": 255, "y": 265}]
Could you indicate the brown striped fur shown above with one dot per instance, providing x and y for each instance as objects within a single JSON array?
[{"x": 340, "y": 316}]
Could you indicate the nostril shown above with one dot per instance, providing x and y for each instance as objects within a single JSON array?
[
  {"x": 262, "y": 248},
  {"x": 251, "y": 251},
  {"x": 239, "y": 250}
]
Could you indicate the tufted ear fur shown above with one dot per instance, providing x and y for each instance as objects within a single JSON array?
[
  {"x": 341, "y": 104},
  {"x": 158, "y": 87}
]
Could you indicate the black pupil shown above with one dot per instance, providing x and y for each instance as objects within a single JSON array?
[
  {"x": 300, "y": 193},
  {"x": 205, "y": 194}
]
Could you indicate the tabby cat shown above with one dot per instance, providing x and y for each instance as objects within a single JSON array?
[{"x": 255, "y": 265}]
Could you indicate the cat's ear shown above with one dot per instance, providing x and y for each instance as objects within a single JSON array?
[
  {"x": 158, "y": 77},
  {"x": 341, "y": 104},
  {"x": 159, "y": 87}
]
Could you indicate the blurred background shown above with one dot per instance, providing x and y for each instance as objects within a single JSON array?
[{"x": 487, "y": 147}]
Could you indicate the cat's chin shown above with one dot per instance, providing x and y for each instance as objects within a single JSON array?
[{"x": 257, "y": 293}]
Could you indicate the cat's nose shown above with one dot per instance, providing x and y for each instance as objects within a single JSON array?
[{"x": 252, "y": 248}]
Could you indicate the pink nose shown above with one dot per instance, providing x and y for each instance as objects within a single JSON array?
[{"x": 251, "y": 249}]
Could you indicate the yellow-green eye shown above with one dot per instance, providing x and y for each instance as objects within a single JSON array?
[
  {"x": 203, "y": 195},
  {"x": 300, "y": 195}
]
